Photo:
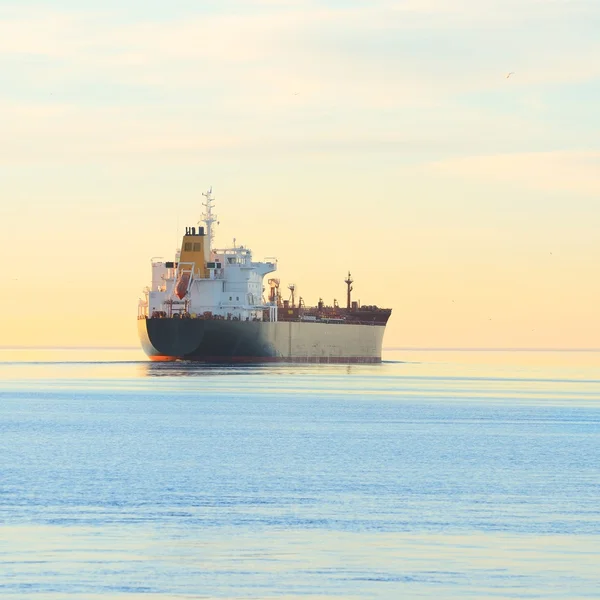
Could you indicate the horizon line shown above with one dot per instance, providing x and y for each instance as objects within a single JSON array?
[
  {"x": 386, "y": 349},
  {"x": 487, "y": 349}
]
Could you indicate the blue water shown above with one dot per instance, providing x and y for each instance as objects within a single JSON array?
[{"x": 433, "y": 475}]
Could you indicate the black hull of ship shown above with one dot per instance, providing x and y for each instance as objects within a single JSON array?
[{"x": 229, "y": 341}]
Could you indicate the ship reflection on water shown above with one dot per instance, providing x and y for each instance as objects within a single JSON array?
[{"x": 196, "y": 369}]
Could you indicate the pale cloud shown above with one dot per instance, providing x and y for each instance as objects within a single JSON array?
[
  {"x": 62, "y": 132},
  {"x": 48, "y": 34},
  {"x": 288, "y": 62},
  {"x": 295, "y": 74},
  {"x": 67, "y": 133},
  {"x": 575, "y": 172},
  {"x": 299, "y": 30}
]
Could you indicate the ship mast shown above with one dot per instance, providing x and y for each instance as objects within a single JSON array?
[
  {"x": 209, "y": 219},
  {"x": 349, "y": 283},
  {"x": 292, "y": 288}
]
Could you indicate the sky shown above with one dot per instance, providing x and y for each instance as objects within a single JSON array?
[{"x": 373, "y": 136}]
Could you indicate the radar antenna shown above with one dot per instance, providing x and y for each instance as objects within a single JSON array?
[
  {"x": 349, "y": 281},
  {"x": 209, "y": 219}
]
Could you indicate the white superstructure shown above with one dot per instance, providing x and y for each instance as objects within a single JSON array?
[{"x": 214, "y": 283}]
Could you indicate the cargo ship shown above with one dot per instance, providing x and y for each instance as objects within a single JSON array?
[{"x": 209, "y": 305}]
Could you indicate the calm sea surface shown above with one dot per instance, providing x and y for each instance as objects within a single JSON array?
[{"x": 434, "y": 475}]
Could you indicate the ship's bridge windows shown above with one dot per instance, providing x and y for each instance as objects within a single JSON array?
[
  {"x": 187, "y": 246},
  {"x": 231, "y": 260},
  {"x": 197, "y": 247}
]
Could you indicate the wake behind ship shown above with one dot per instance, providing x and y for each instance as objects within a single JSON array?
[{"x": 208, "y": 305}]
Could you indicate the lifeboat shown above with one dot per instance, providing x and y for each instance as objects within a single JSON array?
[{"x": 181, "y": 287}]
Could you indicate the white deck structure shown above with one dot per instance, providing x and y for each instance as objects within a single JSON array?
[{"x": 228, "y": 285}]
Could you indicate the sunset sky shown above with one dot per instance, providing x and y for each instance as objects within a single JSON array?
[{"x": 377, "y": 136}]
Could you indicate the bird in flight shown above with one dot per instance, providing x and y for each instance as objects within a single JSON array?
[{"x": 509, "y": 74}]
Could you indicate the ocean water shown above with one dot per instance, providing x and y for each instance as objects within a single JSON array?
[{"x": 433, "y": 475}]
